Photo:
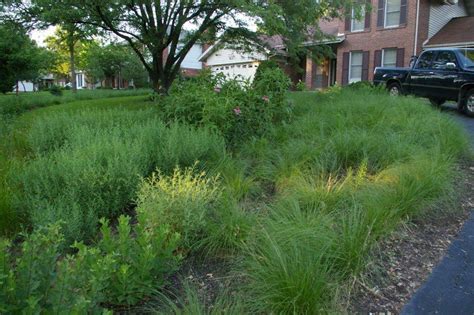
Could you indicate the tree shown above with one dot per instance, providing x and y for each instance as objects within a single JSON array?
[
  {"x": 162, "y": 32},
  {"x": 44, "y": 13},
  {"x": 66, "y": 56},
  {"x": 20, "y": 57},
  {"x": 113, "y": 60}
]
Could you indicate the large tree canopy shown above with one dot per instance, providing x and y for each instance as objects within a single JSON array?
[
  {"x": 113, "y": 60},
  {"x": 20, "y": 57},
  {"x": 161, "y": 32}
]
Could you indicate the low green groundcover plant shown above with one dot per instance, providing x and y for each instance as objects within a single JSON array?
[{"x": 121, "y": 269}]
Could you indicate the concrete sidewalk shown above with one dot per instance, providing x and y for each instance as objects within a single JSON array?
[{"x": 450, "y": 287}]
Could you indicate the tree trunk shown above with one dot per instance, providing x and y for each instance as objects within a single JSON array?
[{"x": 72, "y": 65}]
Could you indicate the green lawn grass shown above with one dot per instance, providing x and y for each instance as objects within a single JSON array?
[{"x": 299, "y": 209}]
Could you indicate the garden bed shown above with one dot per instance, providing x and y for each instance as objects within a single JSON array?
[{"x": 284, "y": 217}]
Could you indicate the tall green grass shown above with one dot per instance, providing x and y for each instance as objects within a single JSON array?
[
  {"x": 11, "y": 104},
  {"x": 352, "y": 166},
  {"x": 88, "y": 164}
]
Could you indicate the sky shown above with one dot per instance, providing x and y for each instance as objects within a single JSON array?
[{"x": 40, "y": 35}]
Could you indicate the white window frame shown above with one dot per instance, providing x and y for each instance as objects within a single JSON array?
[
  {"x": 353, "y": 20},
  {"x": 350, "y": 80},
  {"x": 383, "y": 56},
  {"x": 386, "y": 12}
]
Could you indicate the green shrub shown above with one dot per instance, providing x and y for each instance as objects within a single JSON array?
[
  {"x": 236, "y": 109},
  {"x": 183, "y": 200},
  {"x": 301, "y": 86},
  {"x": 91, "y": 168},
  {"x": 264, "y": 66},
  {"x": 122, "y": 269},
  {"x": 56, "y": 90}
]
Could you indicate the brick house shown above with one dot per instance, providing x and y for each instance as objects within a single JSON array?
[{"x": 389, "y": 35}]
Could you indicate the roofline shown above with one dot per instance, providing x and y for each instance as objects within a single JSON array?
[
  {"x": 209, "y": 51},
  {"x": 453, "y": 45},
  {"x": 339, "y": 39}
]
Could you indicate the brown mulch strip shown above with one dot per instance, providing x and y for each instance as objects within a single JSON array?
[{"x": 404, "y": 261}]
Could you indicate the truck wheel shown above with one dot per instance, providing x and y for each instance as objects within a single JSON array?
[
  {"x": 468, "y": 103},
  {"x": 394, "y": 89},
  {"x": 436, "y": 102}
]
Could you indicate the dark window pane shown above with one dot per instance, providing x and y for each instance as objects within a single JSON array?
[{"x": 424, "y": 62}]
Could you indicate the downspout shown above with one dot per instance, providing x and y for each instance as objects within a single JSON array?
[{"x": 415, "y": 46}]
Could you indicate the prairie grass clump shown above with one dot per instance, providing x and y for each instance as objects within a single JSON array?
[{"x": 352, "y": 166}]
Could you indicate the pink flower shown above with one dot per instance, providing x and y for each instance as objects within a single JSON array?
[
  {"x": 266, "y": 98},
  {"x": 217, "y": 89},
  {"x": 237, "y": 111}
]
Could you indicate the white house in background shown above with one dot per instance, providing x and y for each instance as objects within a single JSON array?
[
  {"x": 231, "y": 62},
  {"x": 24, "y": 86},
  {"x": 191, "y": 64}
]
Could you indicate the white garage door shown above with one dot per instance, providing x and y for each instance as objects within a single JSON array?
[{"x": 241, "y": 70}]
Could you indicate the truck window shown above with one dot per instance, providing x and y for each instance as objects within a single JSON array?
[
  {"x": 443, "y": 58},
  {"x": 424, "y": 62},
  {"x": 467, "y": 57}
]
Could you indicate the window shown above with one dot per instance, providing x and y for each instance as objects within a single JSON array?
[
  {"x": 389, "y": 57},
  {"x": 392, "y": 13},
  {"x": 424, "y": 62},
  {"x": 79, "y": 80},
  {"x": 467, "y": 58},
  {"x": 358, "y": 25},
  {"x": 355, "y": 69},
  {"x": 443, "y": 58}
]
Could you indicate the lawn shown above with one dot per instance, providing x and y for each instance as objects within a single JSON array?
[{"x": 295, "y": 210}]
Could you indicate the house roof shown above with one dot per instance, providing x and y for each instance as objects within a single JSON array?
[
  {"x": 457, "y": 32},
  {"x": 272, "y": 42}
]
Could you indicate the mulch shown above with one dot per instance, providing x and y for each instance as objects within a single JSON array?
[{"x": 404, "y": 261}]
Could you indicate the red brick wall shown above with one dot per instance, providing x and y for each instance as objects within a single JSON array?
[{"x": 375, "y": 38}]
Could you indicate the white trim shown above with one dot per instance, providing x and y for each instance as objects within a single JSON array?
[
  {"x": 353, "y": 19},
  {"x": 349, "y": 79},
  {"x": 383, "y": 56},
  {"x": 415, "y": 46},
  {"x": 461, "y": 45},
  {"x": 385, "y": 15}
]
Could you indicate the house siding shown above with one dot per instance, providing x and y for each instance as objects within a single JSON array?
[
  {"x": 440, "y": 15},
  {"x": 191, "y": 61},
  {"x": 377, "y": 38}
]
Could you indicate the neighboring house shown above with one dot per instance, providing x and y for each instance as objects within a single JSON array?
[
  {"x": 233, "y": 63},
  {"x": 243, "y": 63},
  {"x": 390, "y": 35},
  {"x": 191, "y": 65}
]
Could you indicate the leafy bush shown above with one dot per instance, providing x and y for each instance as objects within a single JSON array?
[
  {"x": 91, "y": 168},
  {"x": 121, "y": 270},
  {"x": 301, "y": 86},
  {"x": 236, "y": 109},
  {"x": 264, "y": 66},
  {"x": 56, "y": 90},
  {"x": 182, "y": 200}
]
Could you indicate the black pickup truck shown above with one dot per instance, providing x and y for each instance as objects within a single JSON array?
[{"x": 439, "y": 74}]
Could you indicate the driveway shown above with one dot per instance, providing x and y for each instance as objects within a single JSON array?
[{"x": 450, "y": 287}]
